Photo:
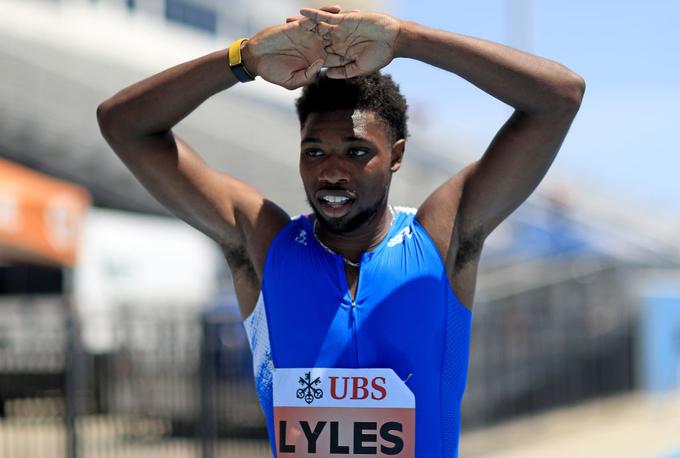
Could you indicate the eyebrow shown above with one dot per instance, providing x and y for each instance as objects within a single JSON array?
[{"x": 351, "y": 138}]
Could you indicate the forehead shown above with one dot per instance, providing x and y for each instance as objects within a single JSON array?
[{"x": 330, "y": 125}]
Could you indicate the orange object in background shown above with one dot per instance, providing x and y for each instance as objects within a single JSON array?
[{"x": 40, "y": 216}]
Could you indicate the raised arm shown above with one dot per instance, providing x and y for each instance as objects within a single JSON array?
[
  {"x": 462, "y": 212},
  {"x": 137, "y": 123},
  {"x": 545, "y": 96}
]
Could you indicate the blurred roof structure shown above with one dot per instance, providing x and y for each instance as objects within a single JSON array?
[{"x": 60, "y": 60}]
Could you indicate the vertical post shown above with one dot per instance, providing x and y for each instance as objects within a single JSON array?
[
  {"x": 70, "y": 365},
  {"x": 660, "y": 341},
  {"x": 207, "y": 387}
]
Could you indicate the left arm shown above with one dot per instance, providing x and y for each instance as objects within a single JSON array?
[{"x": 545, "y": 96}]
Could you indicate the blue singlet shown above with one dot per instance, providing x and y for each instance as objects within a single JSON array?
[{"x": 405, "y": 317}]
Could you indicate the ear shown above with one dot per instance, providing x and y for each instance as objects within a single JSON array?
[{"x": 398, "y": 149}]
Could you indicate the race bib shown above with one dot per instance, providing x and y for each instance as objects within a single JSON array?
[{"x": 343, "y": 412}]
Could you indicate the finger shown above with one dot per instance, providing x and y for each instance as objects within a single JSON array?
[
  {"x": 308, "y": 24},
  {"x": 304, "y": 76},
  {"x": 337, "y": 72},
  {"x": 335, "y": 60},
  {"x": 324, "y": 27},
  {"x": 313, "y": 69},
  {"x": 331, "y": 9},
  {"x": 320, "y": 28},
  {"x": 319, "y": 15},
  {"x": 346, "y": 71},
  {"x": 334, "y": 9},
  {"x": 328, "y": 47}
]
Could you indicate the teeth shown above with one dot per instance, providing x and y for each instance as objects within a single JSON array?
[{"x": 336, "y": 199}]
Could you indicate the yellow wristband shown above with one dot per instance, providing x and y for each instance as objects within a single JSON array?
[{"x": 236, "y": 62}]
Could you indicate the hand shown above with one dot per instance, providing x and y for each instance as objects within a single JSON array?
[
  {"x": 289, "y": 54},
  {"x": 357, "y": 43}
]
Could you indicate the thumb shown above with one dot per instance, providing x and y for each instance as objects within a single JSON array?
[
  {"x": 349, "y": 70},
  {"x": 313, "y": 70},
  {"x": 304, "y": 76}
]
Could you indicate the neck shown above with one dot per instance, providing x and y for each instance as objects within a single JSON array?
[{"x": 365, "y": 238}]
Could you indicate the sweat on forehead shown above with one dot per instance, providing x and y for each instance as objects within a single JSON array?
[{"x": 361, "y": 124}]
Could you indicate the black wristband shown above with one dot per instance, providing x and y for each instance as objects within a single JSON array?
[{"x": 236, "y": 62}]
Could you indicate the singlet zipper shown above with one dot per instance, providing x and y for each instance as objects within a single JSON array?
[
  {"x": 354, "y": 316},
  {"x": 354, "y": 333}
]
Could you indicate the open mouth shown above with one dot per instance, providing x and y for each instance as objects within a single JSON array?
[{"x": 335, "y": 203}]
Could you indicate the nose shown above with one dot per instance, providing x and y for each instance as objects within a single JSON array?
[{"x": 333, "y": 171}]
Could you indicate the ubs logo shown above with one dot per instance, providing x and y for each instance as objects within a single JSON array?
[
  {"x": 309, "y": 392},
  {"x": 359, "y": 388}
]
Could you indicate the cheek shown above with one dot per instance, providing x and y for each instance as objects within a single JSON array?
[
  {"x": 306, "y": 184},
  {"x": 305, "y": 172},
  {"x": 375, "y": 180},
  {"x": 309, "y": 177}
]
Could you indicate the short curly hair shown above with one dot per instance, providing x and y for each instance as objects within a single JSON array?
[{"x": 375, "y": 92}]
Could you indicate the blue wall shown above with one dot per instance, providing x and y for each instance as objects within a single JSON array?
[
  {"x": 189, "y": 13},
  {"x": 660, "y": 342}
]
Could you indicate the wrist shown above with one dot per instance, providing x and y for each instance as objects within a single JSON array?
[
  {"x": 248, "y": 59},
  {"x": 406, "y": 38}
]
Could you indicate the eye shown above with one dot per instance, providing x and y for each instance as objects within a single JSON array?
[
  {"x": 359, "y": 152},
  {"x": 313, "y": 153}
]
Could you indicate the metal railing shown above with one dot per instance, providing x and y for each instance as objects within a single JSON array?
[
  {"x": 563, "y": 332},
  {"x": 179, "y": 384}
]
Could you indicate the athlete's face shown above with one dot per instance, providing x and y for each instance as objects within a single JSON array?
[{"x": 347, "y": 160}]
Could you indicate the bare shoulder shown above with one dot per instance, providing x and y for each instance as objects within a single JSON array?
[
  {"x": 259, "y": 222},
  {"x": 246, "y": 256},
  {"x": 459, "y": 245},
  {"x": 441, "y": 214}
]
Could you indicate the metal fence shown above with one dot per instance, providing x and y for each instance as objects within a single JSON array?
[
  {"x": 180, "y": 383},
  {"x": 550, "y": 334}
]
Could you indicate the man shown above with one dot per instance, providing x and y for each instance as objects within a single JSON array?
[{"x": 357, "y": 284}]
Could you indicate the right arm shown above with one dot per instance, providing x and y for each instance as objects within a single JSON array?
[{"x": 137, "y": 123}]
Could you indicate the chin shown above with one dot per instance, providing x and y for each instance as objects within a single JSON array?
[{"x": 345, "y": 224}]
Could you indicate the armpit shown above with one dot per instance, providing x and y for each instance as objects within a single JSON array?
[
  {"x": 237, "y": 258},
  {"x": 468, "y": 250}
]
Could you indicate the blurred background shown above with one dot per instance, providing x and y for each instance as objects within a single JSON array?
[{"x": 120, "y": 336}]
